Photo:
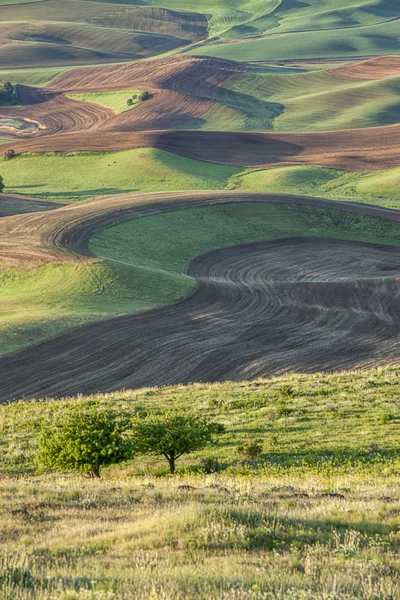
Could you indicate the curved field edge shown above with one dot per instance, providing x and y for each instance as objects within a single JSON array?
[
  {"x": 78, "y": 176},
  {"x": 142, "y": 265}
]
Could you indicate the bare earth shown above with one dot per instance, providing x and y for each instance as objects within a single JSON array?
[
  {"x": 258, "y": 310},
  {"x": 184, "y": 89}
]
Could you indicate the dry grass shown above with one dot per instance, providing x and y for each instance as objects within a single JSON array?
[{"x": 315, "y": 518}]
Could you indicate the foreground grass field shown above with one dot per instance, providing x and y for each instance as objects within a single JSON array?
[
  {"x": 78, "y": 176},
  {"x": 142, "y": 263},
  {"x": 315, "y": 517}
]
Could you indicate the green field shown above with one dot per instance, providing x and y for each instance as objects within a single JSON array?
[
  {"x": 310, "y": 101},
  {"x": 317, "y": 511},
  {"x": 117, "y": 101},
  {"x": 142, "y": 264},
  {"x": 233, "y": 19},
  {"x": 372, "y": 40},
  {"x": 77, "y": 176},
  {"x": 377, "y": 188},
  {"x": 34, "y": 77},
  {"x": 8, "y": 2}
]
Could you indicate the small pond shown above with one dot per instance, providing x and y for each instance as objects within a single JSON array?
[{"x": 19, "y": 124}]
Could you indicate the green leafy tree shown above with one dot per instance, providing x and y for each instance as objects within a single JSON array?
[
  {"x": 173, "y": 434},
  {"x": 2, "y": 185},
  {"x": 129, "y": 102},
  {"x": 84, "y": 439}
]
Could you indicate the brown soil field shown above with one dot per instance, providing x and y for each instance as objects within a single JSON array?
[
  {"x": 363, "y": 150},
  {"x": 258, "y": 309},
  {"x": 380, "y": 67},
  {"x": 301, "y": 305},
  {"x": 183, "y": 90},
  {"x": 53, "y": 33},
  {"x": 61, "y": 236}
]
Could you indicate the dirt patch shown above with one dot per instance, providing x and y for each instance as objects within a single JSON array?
[{"x": 259, "y": 310}]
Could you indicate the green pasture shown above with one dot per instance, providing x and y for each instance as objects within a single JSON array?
[
  {"x": 78, "y": 176},
  {"x": 377, "y": 188},
  {"x": 34, "y": 77}
]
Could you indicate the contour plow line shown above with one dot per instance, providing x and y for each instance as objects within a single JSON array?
[
  {"x": 183, "y": 91},
  {"x": 258, "y": 309}
]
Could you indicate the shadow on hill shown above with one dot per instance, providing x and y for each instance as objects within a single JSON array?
[{"x": 251, "y": 107}]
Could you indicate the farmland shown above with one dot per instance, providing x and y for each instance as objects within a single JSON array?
[{"x": 199, "y": 219}]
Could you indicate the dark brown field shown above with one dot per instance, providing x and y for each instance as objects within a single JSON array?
[{"x": 258, "y": 310}]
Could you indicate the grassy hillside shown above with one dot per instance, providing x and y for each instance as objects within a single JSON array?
[
  {"x": 378, "y": 188},
  {"x": 58, "y": 33},
  {"x": 372, "y": 40},
  {"x": 34, "y": 77},
  {"x": 234, "y": 19},
  {"x": 143, "y": 264},
  {"x": 313, "y": 101},
  {"x": 77, "y": 176},
  {"x": 316, "y": 512}
]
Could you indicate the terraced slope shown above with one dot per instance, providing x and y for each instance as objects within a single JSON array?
[{"x": 252, "y": 315}]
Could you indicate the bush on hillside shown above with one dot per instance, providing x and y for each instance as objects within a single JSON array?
[
  {"x": 8, "y": 94},
  {"x": 9, "y": 154},
  {"x": 2, "y": 185},
  {"x": 173, "y": 434},
  {"x": 251, "y": 449},
  {"x": 84, "y": 440}
]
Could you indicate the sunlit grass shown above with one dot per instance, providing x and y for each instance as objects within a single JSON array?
[{"x": 314, "y": 517}]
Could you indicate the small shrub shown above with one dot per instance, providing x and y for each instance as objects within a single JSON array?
[
  {"x": 210, "y": 465},
  {"x": 287, "y": 391},
  {"x": 251, "y": 449},
  {"x": 2, "y": 185},
  {"x": 143, "y": 96},
  {"x": 386, "y": 418},
  {"x": 284, "y": 411},
  {"x": 9, "y": 154},
  {"x": 129, "y": 102}
]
